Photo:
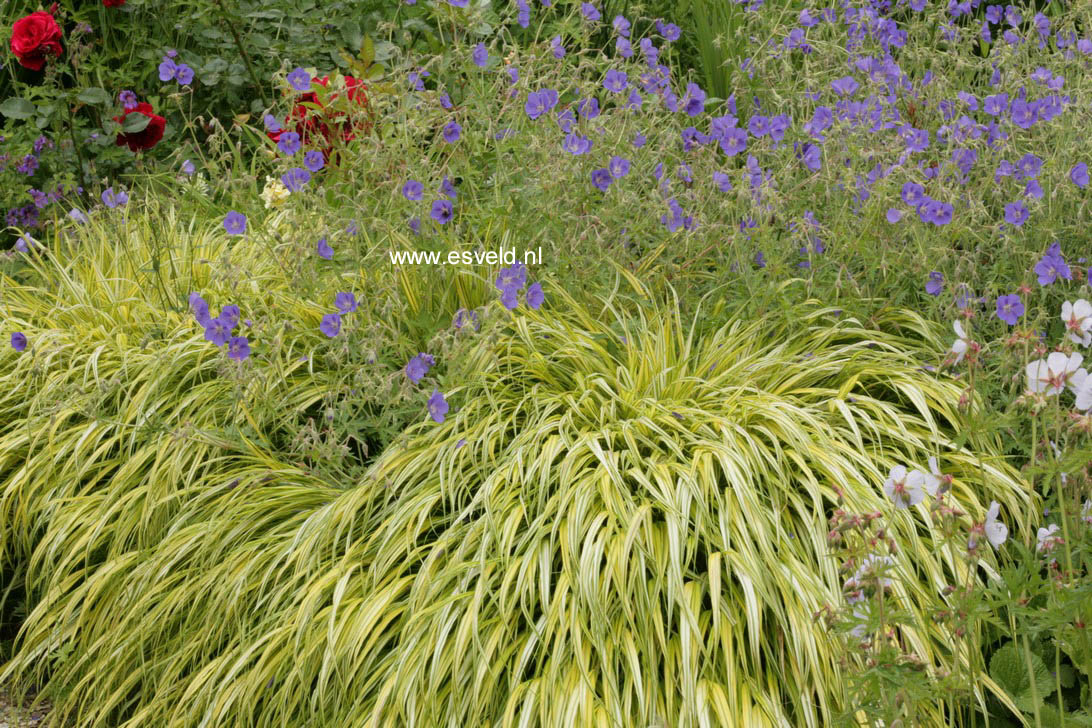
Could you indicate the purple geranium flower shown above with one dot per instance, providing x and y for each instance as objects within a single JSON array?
[
  {"x": 514, "y": 277},
  {"x": 418, "y": 367},
  {"x": 218, "y": 331},
  {"x": 289, "y": 143},
  {"x": 437, "y": 406},
  {"x": 557, "y": 48},
  {"x": 464, "y": 317},
  {"x": 230, "y": 314},
  {"x": 412, "y": 190},
  {"x": 1016, "y": 213},
  {"x": 733, "y": 142},
  {"x": 601, "y": 179},
  {"x": 184, "y": 75},
  {"x": 447, "y": 189},
  {"x": 845, "y": 86},
  {"x": 167, "y": 70},
  {"x": 1010, "y": 308},
  {"x": 1052, "y": 266},
  {"x": 452, "y": 132},
  {"x": 576, "y": 144},
  {"x": 300, "y": 79},
  {"x": 539, "y": 102},
  {"x": 1079, "y": 175},
  {"x": 615, "y": 81},
  {"x": 331, "y": 324},
  {"x": 535, "y": 296},
  {"x": 590, "y": 12},
  {"x": 346, "y": 302},
  {"x": 324, "y": 250},
  {"x": 295, "y": 178},
  {"x": 935, "y": 283},
  {"x": 695, "y": 100},
  {"x": 588, "y": 108},
  {"x": 935, "y": 211},
  {"x": 19, "y": 341},
  {"x": 480, "y": 56},
  {"x": 913, "y": 194},
  {"x": 510, "y": 298},
  {"x": 618, "y": 166},
  {"x": 442, "y": 211},
  {"x": 238, "y": 348},
  {"x": 235, "y": 223},
  {"x": 114, "y": 199},
  {"x": 314, "y": 160},
  {"x": 669, "y": 31}
]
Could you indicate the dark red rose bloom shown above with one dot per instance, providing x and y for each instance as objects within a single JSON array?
[
  {"x": 142, "y": 139},
  {"x": 317, "y": 126},
  {"x": 113, "y": 3},
  {"x": 34, "y": 37}
]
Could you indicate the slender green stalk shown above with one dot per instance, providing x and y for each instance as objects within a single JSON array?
[{"x": 242, "y": 52}]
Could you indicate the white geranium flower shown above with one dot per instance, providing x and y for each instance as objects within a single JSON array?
[
  {"x": 1078, "y": 321},
  {"x": 1045, "y": 539},
  {"x": 872, "y": 567},
  {"x": 1058, "y": 371},
  {"x": 1084, "y": 395},
  {"x": 933, "y": 479},
  {"x": 996, "y": 532},
  {"x": 959, "y": 348},
  {"x": 904, "y": 488}
]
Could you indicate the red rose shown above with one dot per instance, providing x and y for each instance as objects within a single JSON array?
[
  {"x": 35, "y": 36},
  {"x": 142, "y": 139},
  {"x": 313, "y": 126},
  {"x": 113, "y": 3}
]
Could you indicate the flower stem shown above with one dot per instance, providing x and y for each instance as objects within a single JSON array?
[{"x": 242, "y": 52}]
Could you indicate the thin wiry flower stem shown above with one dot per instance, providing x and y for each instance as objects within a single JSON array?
[
  {"x": 1061, "y": 490},
  {"x": 1031, "y": 681},
  {"x": 242, "y": 52}
]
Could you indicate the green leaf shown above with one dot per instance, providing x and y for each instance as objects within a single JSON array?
[
  {"x": 384, "y": 51},
  {"x": 1008, "y": 667},
  {"x": 135, "y": 123},
  {"x": 367, "y": 51},
  {"x": 16, "y": 108},
  {"x": 94, "y": 95}
]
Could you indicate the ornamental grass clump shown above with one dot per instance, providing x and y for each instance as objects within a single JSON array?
[
  {"x": 633, "y": 530},
  {"x": 618, "y": 519}
]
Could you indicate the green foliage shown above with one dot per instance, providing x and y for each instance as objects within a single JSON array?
[{"x": 1009, "y": 668}]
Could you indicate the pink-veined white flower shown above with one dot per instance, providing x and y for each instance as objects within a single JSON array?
[
  {"x": 1084, "y": 395},
  {"x": 1078, "y": 321},
  {"x": 1058, "y": 371},
  {"x": 959, "y": 348},
  {"x": 935, "y": 481},
  {"x": 873, "y": 569},
  {"x": 905, "y": 488},
  {"x": 996, "y": 532},
  {"x": 1045, "y": 538}
]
